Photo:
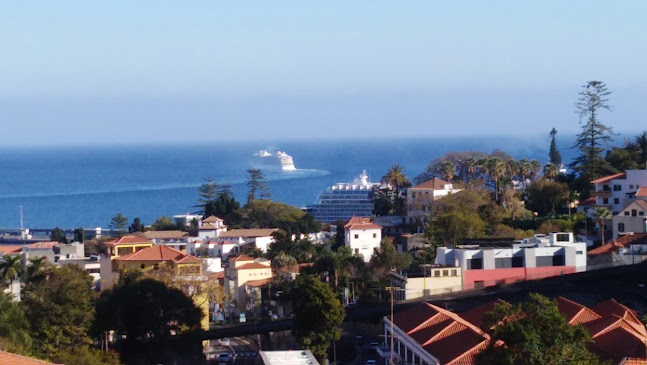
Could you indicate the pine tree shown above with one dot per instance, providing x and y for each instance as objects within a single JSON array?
[
  {"x": 595, "y": 135},
  {"x": 257, "y": 184},
  {"x": 554, "y": 156}
]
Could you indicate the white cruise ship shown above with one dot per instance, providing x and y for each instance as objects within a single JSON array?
[
  {"x": 280, "y": 159},
  {"x": 342, "y": 201}
]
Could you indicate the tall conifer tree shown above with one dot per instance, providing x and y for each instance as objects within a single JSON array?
[{"x": 554, "y": 155}]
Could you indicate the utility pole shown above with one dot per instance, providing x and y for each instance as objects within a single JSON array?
[
  {"x": 391, "y": 288},
  {"x": 21, "y": 225}
]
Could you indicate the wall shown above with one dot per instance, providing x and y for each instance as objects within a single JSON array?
[
  {"x": 365, "y": 243},
  {"x": 415, "y": 287},
  {"x": 511, "y": 275}
]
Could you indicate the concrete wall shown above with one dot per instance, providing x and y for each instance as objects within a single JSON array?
[{"x": 367, "y": 241}]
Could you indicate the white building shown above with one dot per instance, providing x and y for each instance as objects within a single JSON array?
[
  {"x": 260, "y": 237},
  {"x": 292, "y": 357},
  {"x": 614, "y": 191},
  {"x": 363, "y": 237},
  {"x": 631, "y": 219},
  {"x": 210, "y": 228},
  {"x": 422, "y": 195},
  {"x": 186, "y": 219}
]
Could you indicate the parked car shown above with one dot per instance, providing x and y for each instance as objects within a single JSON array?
[
  {"x": 224, "y": 357},
  {"x": 370, "y": 362}
]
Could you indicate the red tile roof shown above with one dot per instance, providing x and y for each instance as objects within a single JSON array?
[
  {"x": 587, "y": 202},
  {"x": 11, "y": 249},
  {"x": 163, "y": 235},
  {"x": 361, "y": 223},
  {"x": 258, "y": 283},
  {"x": 252, "y": 233},
  {"x": 126, "y": 240},
  {"x": 160, "y": 253},
  {"x": 252, "y": 266},
  {"x": 48, "y": 244},
  {"x": 433, "y": 184},
  {"x": 620, "y": 242},
  {"x": 241, "y": 258},
  {"x": 7, "y": 358},
  {"x": 211, "y": 219},
  {"x": 576, "y": 313},
  {"x": 476, "y": 314},
  {"x": 609, "y": 178},
  {"x": 642, "y": 192}
]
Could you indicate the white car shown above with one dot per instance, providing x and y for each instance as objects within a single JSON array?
[{"x": 370, "y": 362}]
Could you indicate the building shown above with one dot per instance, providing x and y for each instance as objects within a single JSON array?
[
  {"x": 241, "y": 274},
  {"x": 260, "y": 238},
  {"x": 420, "y": 197},
  {"x": 535, "y": 258},
  {"x": 430, "y": 335},
  {"x": 343, "y": 201},
  {"x": 631, "y": 218},
  {"x": 363, "y": 237},
  {"x": 125, "y": 245},
  {"x": 627, "y": 249},
  {"x": 433, "y": 280},
  {"x": 186, "y": 219},
  {"x": 210, "y": 228},
  {"x": 8, "y": 358},
  {"x": 614, "y": 191},
  {"x": 292, "y": 357}
]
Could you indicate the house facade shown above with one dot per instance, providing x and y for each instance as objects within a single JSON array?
[
  {"x": 433, "y": 280},
  {"x": 241, "y": 273},
  {"x": 125, "y": 245},
  {"x": 631, "y": 218},
  {"x": 614, "y": 191},
  {"x": 363, "y": 237},
  {"x": 539, "y": 257},
  {"x": 420, "y": 197}
]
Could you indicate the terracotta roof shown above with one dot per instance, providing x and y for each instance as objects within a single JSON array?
[
  {"x": 620, "y": 242},
  {"x": 48, "y": 244},
  {"x": 217, "y": 275},
  {"x": 126, "y": 240},
  {"x": 11, "y": 249},
  {"x": 587, "y": 202},
  {"x": 476, "y": 314},
  {"x": 256, "y": 232},
  {"x": 163, "y": 235},
  {"x": 159, "y": 253},
  {"x": 609, "y": 178},
  {"x": 642, "y": 192},
  {"x": 433, "y": 184},
  {"x": 361, "y": 223},
  {"x": 241, "y": 257},
  {"x": 212, "y": 219},
  {"x": 575, "y": 313},
  {"x": 641, "y": 203},
  {"x": 611, "y": 306},
  {"x": 7, "y": 358},
  {"x": 252, "y": 266},
  {"x": 211, "y": 226},
  {"x": 258, "y": 283}
]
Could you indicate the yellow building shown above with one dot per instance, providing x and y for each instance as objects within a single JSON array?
[
  {"x": 125, "y": 245},
  {"x": 242, "y": 272},
  {"x": 168, "y": 265},
  {"x": 433, "y": 281}
]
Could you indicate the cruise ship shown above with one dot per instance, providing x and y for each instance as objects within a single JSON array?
[
  {"x": 280, "y": 159},
  {"x": 342, "y": 201}
]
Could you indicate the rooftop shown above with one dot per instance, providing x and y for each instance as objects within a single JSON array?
[
  {"x": 128, "y": 240},
  {"x": 433, "y": 184},
  {"x": 163, "y": 235},
  {"x": 160, "y": 253},
  {"x": 642, "y": 192},
  {"x": 7, "y": 358},
  {"x": 361, "y": 223},
  {"x": 601, "y": 180},
  {"x": 211, "y": 219},
  {"x": 296, "y": 357},
  {"x": 255, "y": 232}
]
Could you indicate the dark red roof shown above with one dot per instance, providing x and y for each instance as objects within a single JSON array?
[
  {"x": 160, "y": 253},
  {"x": 433, "y": 184},
  {"x": 609, "y": 178},
  {"x": 642, "y": 192},
  {"x": 129, "y": 239},
  {"x": 476, "y": 314},
  {"x": 575, "y": 313}
]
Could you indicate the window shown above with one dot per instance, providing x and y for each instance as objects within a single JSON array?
[
  {"x": 563, "y": 237},
  {"x": 501, "y": 263},
  {"x": 142, "y": 266},
  {"x": 517, "y": 262},
  {"x": 445, "y": 272},
  {"x": 374, "y": 235},
  {"x": 621, "y": 227},
  {"x": 454, "y": 273},
  {"x": 479, "y": 284},
  {"x": 627, "y": 212},
  {"x": 605, "y": 188},
  {"x": 617, "y": 187},
  {"x": 634, "y": 212},
  {"x": 616, "y": 200},
  {"x": 579, "y": 252},
  {"x": 558, "y": 260},
  {"x": 356, "y": 236},
  {"x": 474, "y": 264},
  {"x": 437, "y": 273},
  {"x": 631, "y": 186},
  {"x": 641, "y": 213},
  {"x": 357, "y": 251},
  {"x": 605, "y": 201}
]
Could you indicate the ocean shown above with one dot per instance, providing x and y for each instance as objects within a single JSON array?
[{"x": 79, "y": 186}]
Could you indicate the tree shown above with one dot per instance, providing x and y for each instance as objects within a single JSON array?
[
  {"x": 553, "y": 154},
  {"x": 453, "y": 227},
  {"x": 395, "y": 177},
  {"x": 207, "y": 191},
  {"x": 60, "y": 311},
  {"x": 14, "y": 327},
  {"x": 547, "y": 197},
  {"x": 448, "y": 170},
  {"x": 35, "y": 269},
  {"x": 58, "y": 235},
  {"x": 137, "y": 226},
  {"x": 11, "y": 268},
  {"x": 79, "y": 234},
  {"x": 257, "y": 183},
  {"x": 284, "y": 264},
  {"x": 119, "y": 222},
  {"x": 594, "y": 135},
  {"x": 315, "y": 299},
  {"x": 388, "y": 257},
  {"x": 340, "y": 235},
  {"x": 534, "y": 332},
  {"x": 602, "y": 214},
  {"x": 551, "y": 171},
  {"x": 225, "y": 207},
  {"x": 164, "y": 224}
]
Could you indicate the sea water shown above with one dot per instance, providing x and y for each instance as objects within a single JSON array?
[{"x": 86, "y": 186}]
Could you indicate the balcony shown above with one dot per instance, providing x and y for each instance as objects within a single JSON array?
[{"x": 601, "y": 194}]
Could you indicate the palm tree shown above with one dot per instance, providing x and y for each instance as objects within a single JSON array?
[
  {"x": 603, "y": 214},
  {"x": 395, "y": 176},
  {"x": 283, "y": 263},
  {"x": 471, "y": 166},
  {"x": 35, "y": 266},
  {"x": 497, "y": 169},
  {"x": 512, "y": 168},
  {"x": 448, "y": 170},
  {"x": 524, "y": 168},
  {"x": 535, "y": 167},
  {"x": 11, "y": 268},
  {"x": 550, "y": 171}
]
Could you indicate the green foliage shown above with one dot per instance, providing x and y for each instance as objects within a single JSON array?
[
  {"x": 555, "y": 225},
  {"x": 316, "y": 300},
  {"x": 553, "y": 155},
  {"x": 387, "y": 257},
  {"x": 164, "y": 224},
  {"x": 58, "y": 235},
  {"x": 84, "y": 356},
  {"x": 60, "y": 311},
  {"x": 223, "y": 206},
  {"x": 451, "y": 228},
  {"x": 396, "y": 177},
  {"x": 271, "y": 214},
  {"x": 547, "y": 197},
  {"x": 119, "y": 222},
  {"x": 207, "y": 191},
  {"x": 10, "y": 268},
  {"x": 595, "y": 135},
  {"x": 14, "y": 327},
  {"x": 137, "y": 226},
  {"x": 534, "y": 332},
  {"x": 340, "y": 235},
  {"x": 257, "y": 183},
  {"x": 79, "y": 235}
]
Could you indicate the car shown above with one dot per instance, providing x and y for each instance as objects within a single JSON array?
[
  {"x": 224, "y": 357},
  {"x": 370, "y": 362}
]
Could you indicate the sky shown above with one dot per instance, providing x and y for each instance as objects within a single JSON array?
[{"x": 102, "y": 72}]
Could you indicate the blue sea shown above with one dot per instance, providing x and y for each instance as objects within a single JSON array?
[{"x": 86, "y": 186}]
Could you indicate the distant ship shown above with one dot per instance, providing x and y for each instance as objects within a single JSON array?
[
  {"x": 281, "y": 159},
  {"x": 342, "y": 201}
]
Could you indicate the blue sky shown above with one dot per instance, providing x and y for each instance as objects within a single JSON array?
[{"x": 127, "y": 72}]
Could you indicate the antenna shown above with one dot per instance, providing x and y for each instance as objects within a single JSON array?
[{"x": 21, "y": 227}]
